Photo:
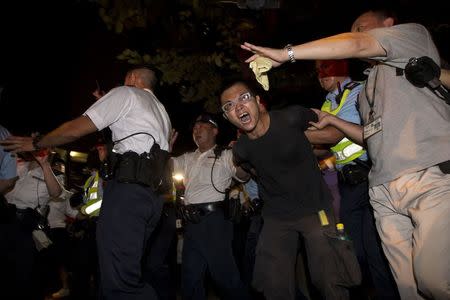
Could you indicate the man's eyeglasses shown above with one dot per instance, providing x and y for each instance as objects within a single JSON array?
[{"x": 230, "y": 104}]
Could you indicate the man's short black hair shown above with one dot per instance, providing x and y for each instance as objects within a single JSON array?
[
  {"x": 207, "y": 118},
  {"x": 253, "y": 87}
]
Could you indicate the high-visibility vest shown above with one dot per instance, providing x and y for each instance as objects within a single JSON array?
[
  {"x": 93, "y": 199},
  {"x": 345, "y": 150}
]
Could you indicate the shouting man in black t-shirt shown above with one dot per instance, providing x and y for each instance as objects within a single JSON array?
[{"x": 297, "y": 200}]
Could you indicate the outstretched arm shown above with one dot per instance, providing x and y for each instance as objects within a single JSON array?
[
  {"x": 66, "y": 133},
  {"x": 344, "y": 45},
  {"x": 352, "y": 131}
]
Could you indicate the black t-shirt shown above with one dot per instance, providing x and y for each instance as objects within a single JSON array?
[{"x": 289, "y": 179}]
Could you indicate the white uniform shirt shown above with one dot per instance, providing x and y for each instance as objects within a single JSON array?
[
  {"x": 30, "y": 189},
  {"x": 196, "y": 169},
  {"x": 127, "y": 110},
  {"x": 61, "y": 209}
]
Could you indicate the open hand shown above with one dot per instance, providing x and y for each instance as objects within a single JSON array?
[
  {"x": 325, "y": 119},
  {"x": 277, "y": 56},
  {"x": 98, "y": 94},
  {"x": 16, "y": 144}
]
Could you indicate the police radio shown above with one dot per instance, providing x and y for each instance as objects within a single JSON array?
[{"x": 424, "y": 72}]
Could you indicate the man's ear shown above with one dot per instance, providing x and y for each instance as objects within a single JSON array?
[
  {"x": 388, "y": 22},
  {"x": 216, "y": 131},
  {"x": 258, "y": 100},
  {"x": 225, "y": 116}
]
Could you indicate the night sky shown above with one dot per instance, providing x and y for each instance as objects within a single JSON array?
[{"x": 53, "y": 52}]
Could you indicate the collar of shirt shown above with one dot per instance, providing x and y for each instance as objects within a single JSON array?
[{"x": 331, "y": 96}]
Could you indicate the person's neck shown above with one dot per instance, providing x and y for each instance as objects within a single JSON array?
[
  {"x": 206, "y": 147},
  {"x": 261, "y": 127}
]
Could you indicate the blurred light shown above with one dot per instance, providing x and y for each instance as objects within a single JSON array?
[
  {"x": 75, "y": 154},
  {"x": 78, "y": 156},
  {"x": 178, "y": 177}
]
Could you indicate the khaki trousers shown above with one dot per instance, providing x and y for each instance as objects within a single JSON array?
[{"x": 413, "y": 220}]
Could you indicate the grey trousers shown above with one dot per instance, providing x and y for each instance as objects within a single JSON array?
[{"x": 413, "y": 220}]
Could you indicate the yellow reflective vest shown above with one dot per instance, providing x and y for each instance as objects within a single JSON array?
[
  {"x": 345, "y": 150},
  {"x": 93, "y": 199}
]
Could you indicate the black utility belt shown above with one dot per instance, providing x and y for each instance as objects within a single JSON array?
[
  {"x": 146, "y": 169},
  {"x": 194, "y": 213},
  {"x": 353, "y": 174},
  {"x": 208, "y": 207}
]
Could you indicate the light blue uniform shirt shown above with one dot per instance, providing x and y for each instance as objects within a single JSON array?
[
  {"x": 348, "y": 111},
  {"x": 8, "y": 168},
  {"x": 252, "y": 189}
]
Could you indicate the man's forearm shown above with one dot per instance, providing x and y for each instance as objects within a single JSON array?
[
  {"x": 241, "y": 174},
  {"x": 344, "y": 45},
  {"x": 328, "y": 135},
  {"x": 68, "y": 132},
  {"x": 352, "y": 131},
  {"x": 7, "y": 185},
  {"x": 53, "y": 186}
]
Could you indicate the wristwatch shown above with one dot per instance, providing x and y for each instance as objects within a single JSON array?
[{"x": 290, "y": 53}]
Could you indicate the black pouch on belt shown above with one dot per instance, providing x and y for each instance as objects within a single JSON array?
[
  {"x": 146, "y": 169},
  {"x": 354, "y": 174}
]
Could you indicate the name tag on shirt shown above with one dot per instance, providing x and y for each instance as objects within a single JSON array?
[{"x": 372, "y": 128}]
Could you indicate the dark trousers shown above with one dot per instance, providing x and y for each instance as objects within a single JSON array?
[
  {"x": 18, "y": 261},
  {"x": 357, "y": 216},
  {"x": 208, "y": 246},
  {"x": 276, "y": 256},
  {"x": 158, "y": 269},
  {"x": 129, "y": 214},
  {"x": 84, "y": 263},
  {"x": 256, "y": 223}
]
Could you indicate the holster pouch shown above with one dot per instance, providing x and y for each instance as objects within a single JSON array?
[
  {"x": 30, "y": 219},
  {"x": 253, "y": 208},
  {"x": 353, "y": 174},
  {"x": 232, "y": 208},
  {"x": 146, "y": 169},
  {"x": 189, "y": 213}
]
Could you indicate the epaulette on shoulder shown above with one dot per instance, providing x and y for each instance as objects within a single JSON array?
[{"x": 352, "y": 85}]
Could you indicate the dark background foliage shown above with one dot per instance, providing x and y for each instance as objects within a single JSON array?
[{"x": 53, "y": 53}]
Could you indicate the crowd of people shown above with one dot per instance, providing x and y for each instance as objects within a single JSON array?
[{"x": 388, "y": 135}]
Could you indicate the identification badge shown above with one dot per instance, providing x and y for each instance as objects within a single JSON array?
[{"x": 372, "y": 128}]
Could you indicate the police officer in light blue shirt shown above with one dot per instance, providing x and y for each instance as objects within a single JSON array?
[
  {"x": 351, "y": 163},
  {"x": 8, "y": 173}
]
